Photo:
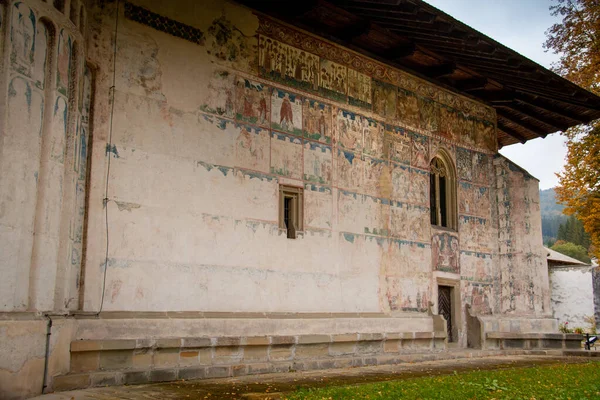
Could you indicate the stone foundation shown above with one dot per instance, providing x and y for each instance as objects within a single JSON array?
[{"x": 130, "y": 361}]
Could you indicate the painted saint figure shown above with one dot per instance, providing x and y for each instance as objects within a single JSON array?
[
  {"x": 262, "y": 109},
  {"x": 286, "y": 114}
]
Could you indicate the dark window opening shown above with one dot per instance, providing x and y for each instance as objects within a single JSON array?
[
  {"x": 290, "y": 210},
  {"x": 441, "y": 194}
]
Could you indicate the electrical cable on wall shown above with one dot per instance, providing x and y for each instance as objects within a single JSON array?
[{"x": 108, "y": 152}]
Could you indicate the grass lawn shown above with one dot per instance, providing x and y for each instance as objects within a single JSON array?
[{"x": 567, "y": 381}]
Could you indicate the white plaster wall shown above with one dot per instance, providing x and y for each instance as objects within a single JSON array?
[{"x": 572, "y": 295}]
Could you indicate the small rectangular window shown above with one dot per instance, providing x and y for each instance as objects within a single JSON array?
[{"x": 290, "y": 210}]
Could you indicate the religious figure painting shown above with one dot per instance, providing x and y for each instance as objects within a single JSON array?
[
  {"x": 350, "y": 129},
  {"x": 384, "y": 99},
  {"x": 317, "y": 121},
  {"x": 400, "y": 182},
  {"x": 377, "y": 179},
  {"x": 333, "y": 80},
  {"x": 252, "y": 148},
  {"x": 449, "y": 125},
  {"x": 485, "y": 135},
  {"x": 288, "y": 65},
  {"x": 22, "y": 36},
  {"x": 40, "y": 55},
  {"x": 419, "y": 150},
  {"x": 419, "y": 187},
  {"x": 286, "y": 112},
  {"x": 63, "y": 63},
  {"x": 408, "y": 109},
  {"x": 286, "y": 155},
  {"x": 464, "y": 164},
  {"x": 252, "y": 102},
  {"x": 445, "y": 253},
  {"x": 429, "y": 110},
  {"x": 397, "y": 144},
  {"x": 373, "y": 136},
  {"x": 481, "y": 168},
  {"x": 359, "y": 89},
  {"x": 349, "y": 170},
  {"x": 318, "y": 160}
]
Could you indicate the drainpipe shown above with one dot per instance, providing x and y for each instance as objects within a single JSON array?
[{"x": 47, "y": 354}]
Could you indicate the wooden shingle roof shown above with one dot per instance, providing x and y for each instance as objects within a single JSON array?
[{"x": 530, "y": 100}]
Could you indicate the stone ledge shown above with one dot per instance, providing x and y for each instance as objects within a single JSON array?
[
  {"x": 538, "y": 336},
  {"x": 221, "y": 315},
  {"x": 143, "y": 376},
  {"x": 78, "y": 346}
]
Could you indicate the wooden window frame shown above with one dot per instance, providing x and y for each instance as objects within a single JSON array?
[
  {"x": 447, "y": 171},
  {"x": 297, "y": 213}
]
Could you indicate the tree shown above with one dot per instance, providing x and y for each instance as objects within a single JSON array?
[
  {"x": 577, "y": 39},
  {"x": 572, "y": 250}
]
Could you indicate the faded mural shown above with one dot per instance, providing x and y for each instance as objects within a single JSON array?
[{"x": 358, "y": 136}]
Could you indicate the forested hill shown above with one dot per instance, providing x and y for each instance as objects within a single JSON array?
[{"x": 552, "y": 215}]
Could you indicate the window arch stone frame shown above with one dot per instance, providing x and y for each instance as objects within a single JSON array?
[{"x": 450, "y": 193}]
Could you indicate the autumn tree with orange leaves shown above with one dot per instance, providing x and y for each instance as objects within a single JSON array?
[{"x": 577, "y": 40}]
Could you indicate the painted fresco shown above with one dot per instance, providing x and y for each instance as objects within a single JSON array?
[
  {"x": 474, "y": 200},
  {"x": 384, "y": 99},
  {"x": 410, "y": 222},
  {"x": 359, "y": 89},
  {"x": 349, "y": 215},
  {"x": 59, "y": 127},
  {"x": 252, "y": 102},
  {"x": 479, "y": 296},
  {"x": 429, "y": 114},
  {"x": 63, "y": 63},
  {"x": 41, "y": 55},
  {"x": 476, "y": 267},
  {"x": 419, "y": 151},
  {"x": 252, "y": 148},
  {"x": 419, "y": 223},
  {"x": 445, "y": 253},
  {"x": 318, "y": 205},
  {"x": 286, "y": 112},
  {"x": 220, "y": 96},
  {"x": 399, "y": 226},
  {"x": 286, "y": 155},
  {"x": 230, "y": 46},
  {"x": 25, "y": 111},
  {"x": 288, "y": 65},
  {"x": 349, "y": 170},
  {"x": 397, "y": 144},
  {"x": 349, "y": 130},
  {"x": 485, "y": 135},
  {"x": 408, "y": 109},
  {"x": 419, "y": 186},
  {"x": 333, "y": 80},
  {"x": 435, "y": 145},
  {"x": 482, "y": 168},
  {"x": 318, "y": 161},
  {"x": 317, "y": 121},
  {"x": 376, "y": 215},
  {"x": 373, "y": 137},
  {"x": 377, "y": 179},
  {"x": 464, "y": 164},
  {"x": 22, "y": 37},
  {"x": 400, "y": 182},
  {"x": 475, "y": 233}
]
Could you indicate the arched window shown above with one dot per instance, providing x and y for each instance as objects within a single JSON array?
[{"x": 442, "y": 191}]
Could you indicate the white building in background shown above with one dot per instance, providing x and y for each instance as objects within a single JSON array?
[{"x": 572, "y": 289}]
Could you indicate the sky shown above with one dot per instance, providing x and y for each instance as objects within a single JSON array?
[{"x": 521, "y": 26}]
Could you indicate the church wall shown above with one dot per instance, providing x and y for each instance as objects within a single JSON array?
[
  {"x": 206, "y": 129},
  {"x": 523, "y": 281}
]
